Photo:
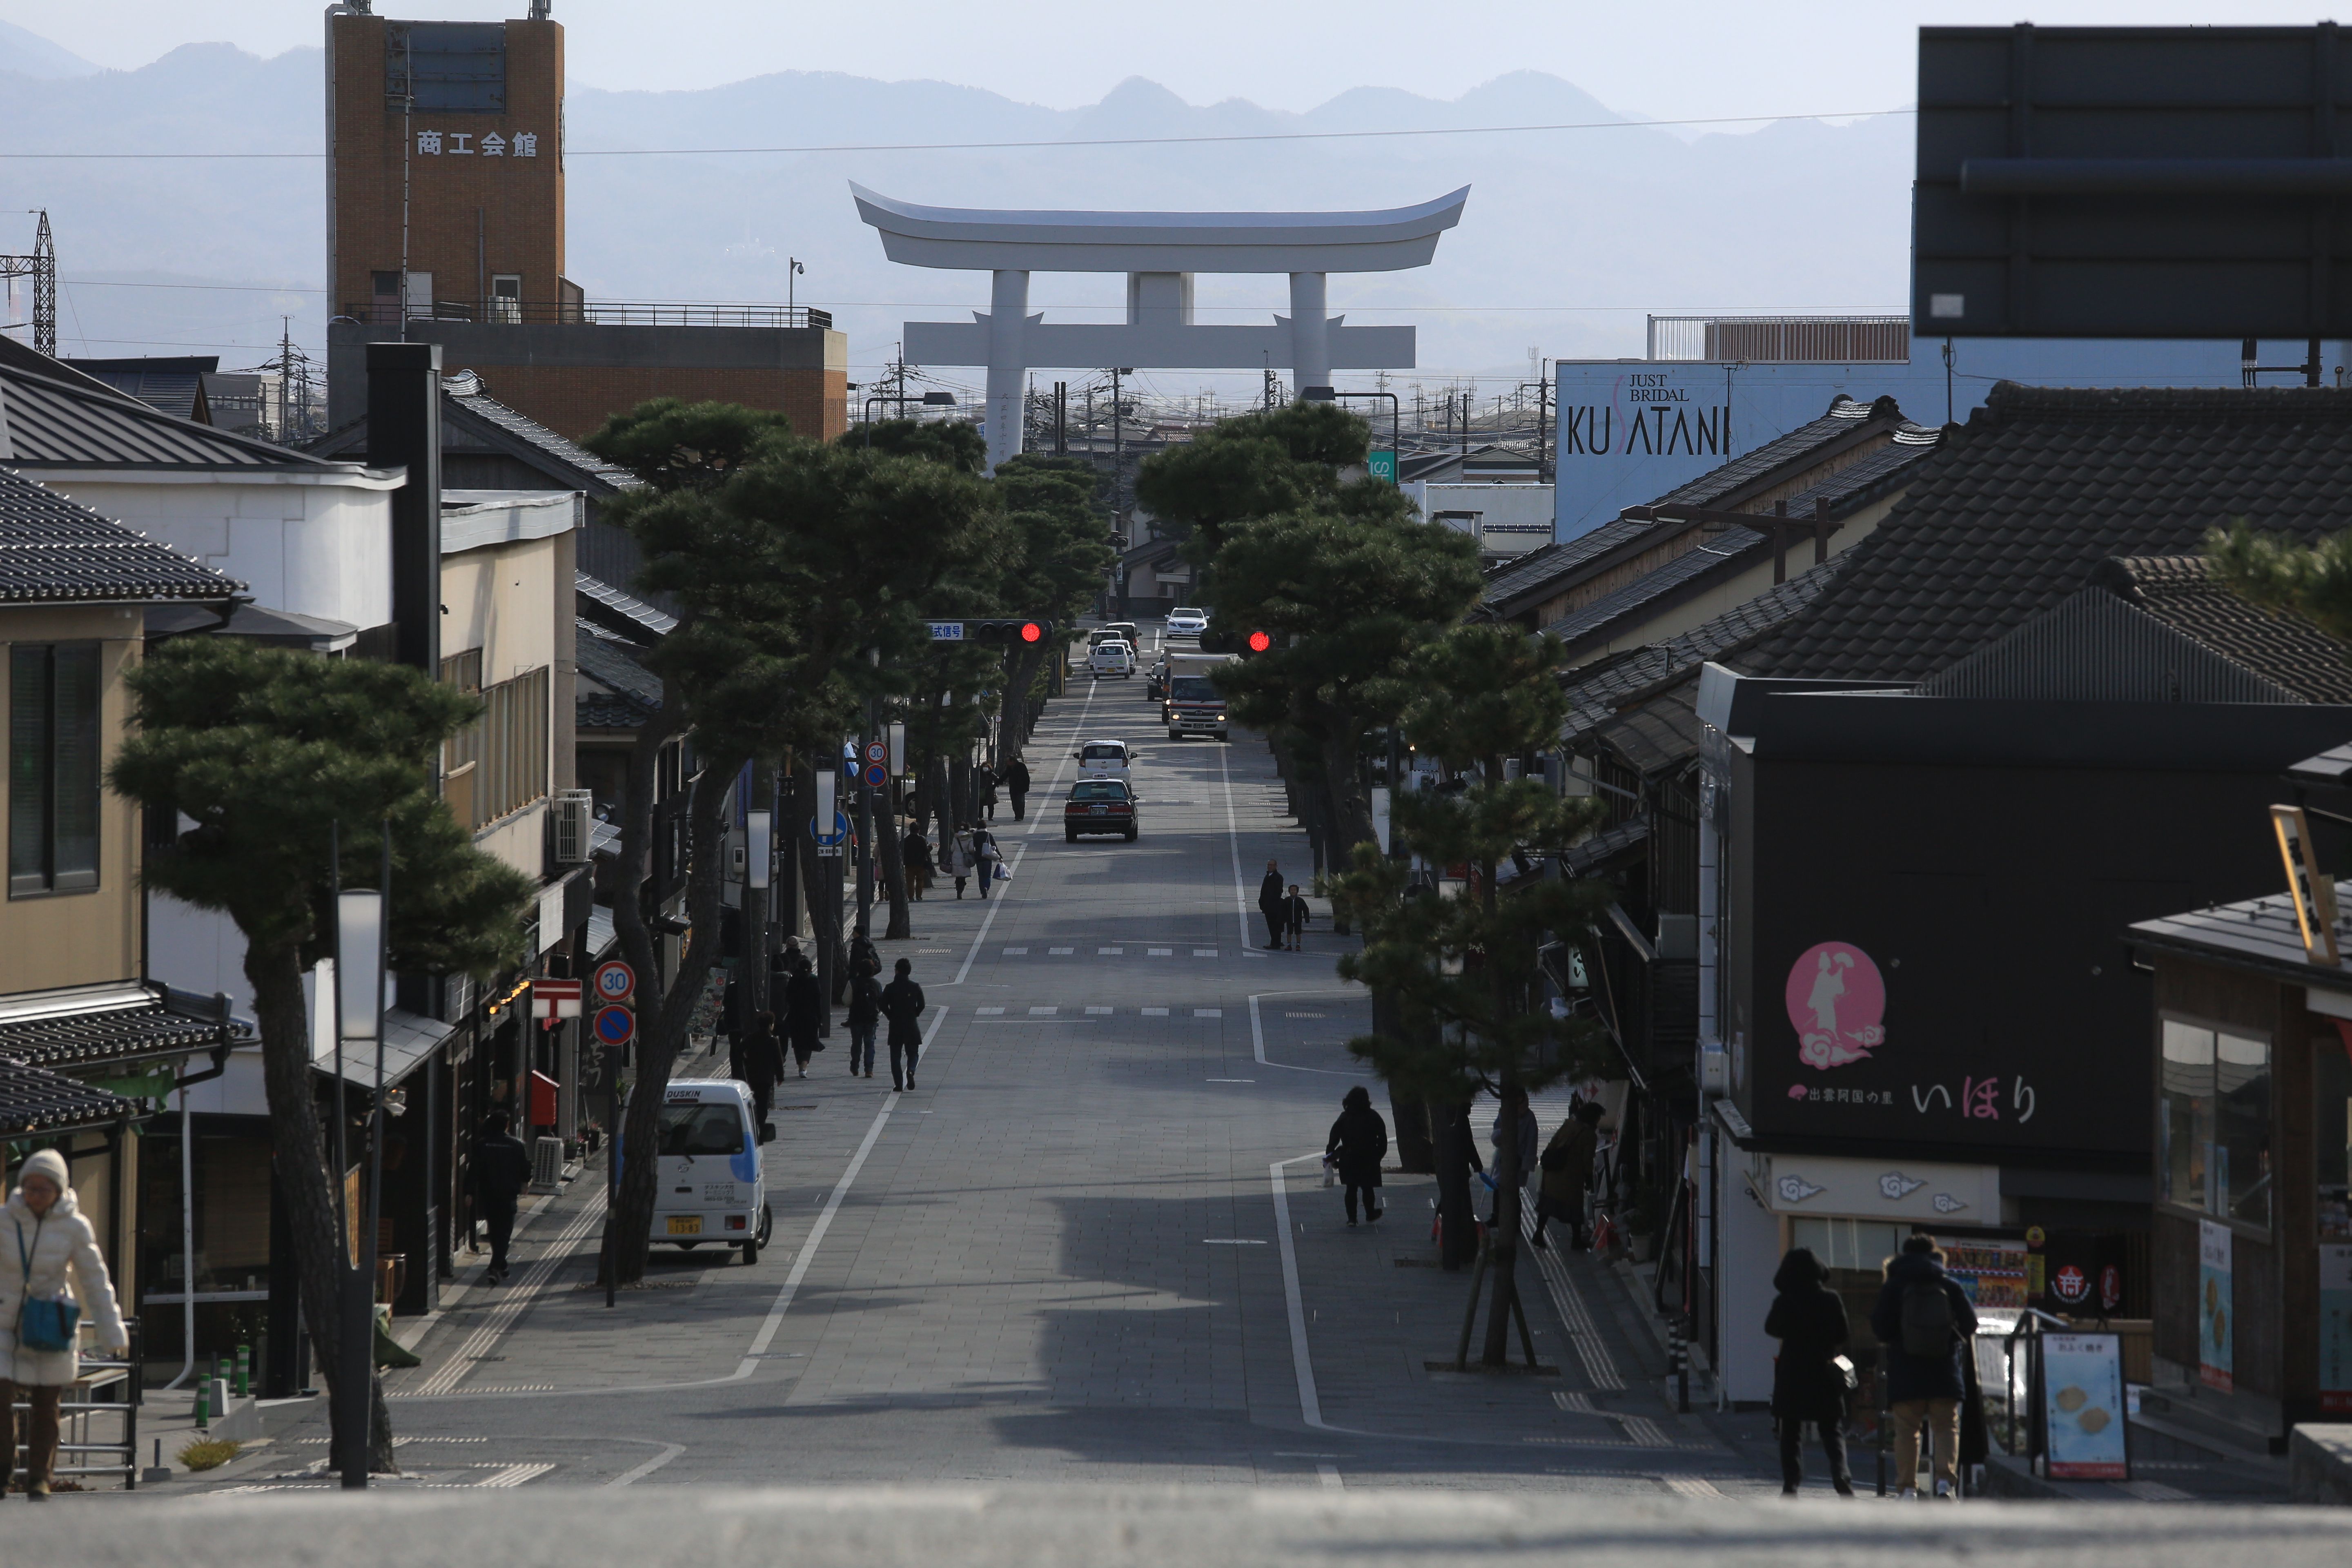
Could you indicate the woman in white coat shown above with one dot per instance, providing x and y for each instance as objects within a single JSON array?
[{"x": 47, "y": 1250}]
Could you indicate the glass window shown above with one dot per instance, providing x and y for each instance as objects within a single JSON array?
[
  {"x": 2241, "y": 1127},
  {"x": 2213, "y": 1116},
  {"x": 702, "y": 1129},
  {"x": 1099, "y": 789},
  {"x": 2332, "y": 1130},
  {"x": 54, "y": 761},
  {"x": 1193, "y": 688},
  {"x": 2185, "y": 1112}
]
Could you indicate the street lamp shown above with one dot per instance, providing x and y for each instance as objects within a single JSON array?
[
  {"x": 1396, "y": 417},
  {"x": 360, "y": 920}
]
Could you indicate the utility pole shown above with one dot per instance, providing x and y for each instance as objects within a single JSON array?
[
  {"x": 1118, "y": 443},
  {"x": 41, "y": 266}
]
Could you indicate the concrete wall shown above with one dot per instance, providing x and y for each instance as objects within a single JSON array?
[
  {"x": 311, "y": 548},
  {"x": 571, "y": 378}
]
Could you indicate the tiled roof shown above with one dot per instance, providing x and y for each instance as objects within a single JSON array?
[
  {"x": 597, "y": 476},
  {"x": 2257, "y": 935},
  {"x": 63, "y": 420},
  {"x": 2022, "y": 506},
  {"x": 72, "y": 1041},
  {"x": 34, "y": 1100},
  {"x": 632, "y": 693},
  {"x": 1868, "y": 478},
  {"x": 2181, "y": 592},
  {"x": 1597, "y": 692},
  {"x": 1715, "y": 551},
  {"x": 1578, "y": 859},
  {"x": 1844, "y": 414},
  {"x": 1537, "y": 567},
  {"x": 621, "y": 611},
  {"x": 54, "y": 550},
  {"x": 1655, "y": 735}
]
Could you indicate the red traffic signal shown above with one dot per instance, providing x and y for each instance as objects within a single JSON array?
[
  {"x": 1259, "y": 642},
  {"x": 1032, "y": 632}
]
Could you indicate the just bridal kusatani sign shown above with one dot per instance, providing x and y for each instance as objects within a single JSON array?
[{"x": 1650, "y": 416}]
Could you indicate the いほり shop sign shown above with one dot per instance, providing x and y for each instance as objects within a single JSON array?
[{"x": 477, "y": 144}]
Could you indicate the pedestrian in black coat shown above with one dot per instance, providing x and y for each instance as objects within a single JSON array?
[
  {"x": 1016, "y": 784},
  {"x": 803, "y": 1014},
  {"x": 985, "y": 780},
  {"x": 764, "y": 1063},
  {"x": 1808, "y": 1320},
  {"x": 864, "y": 959},
  {"x": 918, "y": 861},
  {"x": 1271, "y": 900},
  {"x": 902, "y": 1004},
  {"x": 1358, "y": 1141},
  {"x": 501, "y": 1170},
  {"x": 864, "y": 1016},
  {"x": 1925, "y": 1386}
]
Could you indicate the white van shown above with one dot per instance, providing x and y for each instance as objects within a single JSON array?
[{"x": 710, "y": 1186}]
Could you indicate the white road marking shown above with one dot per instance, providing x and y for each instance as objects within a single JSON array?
[
  {"x": 994, "y": 904},
  {"x": 784, "y": 1302},
  {"x": 1690, "y": 1486},
  {"x": 631, "y": 1478},
  {"x": 1160, "y": 953},
  {"x": 1329, "y": 1475},
  {"x": 514, "y": 1475},
  {"x": 1053, "y": 790},
  {"x": 1098, "y": 1011},
  {"x": 1113, "y": 952},
  {"x": 512, "y": 1304},
  {"x": 1051, "y": 950},
  {"x": 1016, "y": 952},
  {"x": 1231, "y": 1241},
  {"x": 1257, "y": 1044},
  {"x": 1233, "y": 841},
  {"x": 1208, "y": 1012},
  {"x": 1043, "y": 1011},
  {"x": 1302, "y": 1366},
  {"x": 1155, "y": 1011},
  {"x": 988, "y": 1012}
]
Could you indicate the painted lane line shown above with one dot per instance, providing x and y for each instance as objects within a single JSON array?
[
  {"x": 1160, "y": 953},
  {"x": 1208, "y": 1012},
  {"x": 631, "y": 1478},
  {"x": 1155, "y": 1011},
  {"x": 1064, "y": 950},
  {"x": 1098, "y": 1011},
  {"x": 1053, "y": 790},
  {"x": 989, "y": 1012},
  {"x": 994, "y": 904},
  {"x": 1233, "y": 841},
  {"x": 1112, "y": 951},
  {"x": 807, "y": 1254},
  {"x": 1043, "y": 1011},
  {"x": 1302, "y": 1366}
]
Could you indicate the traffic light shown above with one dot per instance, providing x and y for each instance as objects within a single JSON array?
[
  {"x": 1018, "y": 633},
  {"x": 1259, "y": 642}
]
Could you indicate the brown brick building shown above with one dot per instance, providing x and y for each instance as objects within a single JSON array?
[{"x": 446, "y": 224}]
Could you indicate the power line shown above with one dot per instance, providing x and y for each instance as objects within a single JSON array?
[{"x": 1086, "y": 142}]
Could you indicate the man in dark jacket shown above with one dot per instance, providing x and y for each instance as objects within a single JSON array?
[
  {"x": 1567, "y": 1163},
  {"x": 1270, "y": 903},
  {"x": 1016, "y": 784},
  {"x": 501, "y": 1171},
  {"x": 1808, "y": 1320},
  {"x": 1924, "y": 1319},
  {"x": 804, "y": 1013},
  {"x": 864, "y": 1016},
  {"x": 902, "y": 1004},
  {"x": 763, "y": 1063},
  {"x": 863, "y": 958}
]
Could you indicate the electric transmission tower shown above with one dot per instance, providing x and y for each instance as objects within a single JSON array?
[{"x": 41, "y": 266}]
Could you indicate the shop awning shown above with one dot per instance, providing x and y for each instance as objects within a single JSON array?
[{"x": 408, "y": 1040}]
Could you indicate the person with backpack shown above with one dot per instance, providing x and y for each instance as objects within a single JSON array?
[
  {"x": 1567, "y": 1163},
  {"x": 902, "y": 1004},
  {"x": 804, "y": 1013},
  {"x": 864, "y": 1016},
  {"x": 1809, "y": 1375},
  {"x": 1924, "y": 1319}
]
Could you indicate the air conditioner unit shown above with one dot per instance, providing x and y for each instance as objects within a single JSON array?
[
  {"x": 546, "y": 1164},
  {"x": 574, "y": 820}
]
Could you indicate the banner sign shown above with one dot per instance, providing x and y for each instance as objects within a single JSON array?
[{"x": 2083, "y": 1407}]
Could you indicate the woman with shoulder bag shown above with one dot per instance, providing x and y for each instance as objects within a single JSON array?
[
  {"x": 1809, "y": 1376},
  {"x": 50, "y": 1274}
]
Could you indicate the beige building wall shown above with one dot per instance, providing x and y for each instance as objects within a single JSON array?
[
  {"x": 502, "y": 600},
  {"x": 53, "y": 940}
]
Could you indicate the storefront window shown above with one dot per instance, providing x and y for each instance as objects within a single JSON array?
[
  {"x": 2213, "y": 1113},
  {"x": 2332, "y": 1130}
]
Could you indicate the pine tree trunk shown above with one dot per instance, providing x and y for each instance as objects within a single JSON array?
[
  {"x": 321, "y": 1257},
  {"x": 894, "y": 865},
  {"x": 1021, "y": 674}
]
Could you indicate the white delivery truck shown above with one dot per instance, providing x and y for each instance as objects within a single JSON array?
[
  {"x": 1193, "y": 705},
  {"x": 710, "y": 1186}
]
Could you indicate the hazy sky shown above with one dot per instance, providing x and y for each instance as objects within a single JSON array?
[{"x": 1686, "y": 58}]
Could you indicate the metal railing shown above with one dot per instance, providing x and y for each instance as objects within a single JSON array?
[
  {"x": 599, "y": 314},
  {"x": 1781, "y": 340},
  {"x": 75, "y": 1415}
]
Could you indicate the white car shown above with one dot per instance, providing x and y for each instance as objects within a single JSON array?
[
  {"x": 712, "y": 1184},
  {"x": 1113, "y": 657},
  {"x": 1183, "y": 622},
  {"x": 1103, "y": 760}
]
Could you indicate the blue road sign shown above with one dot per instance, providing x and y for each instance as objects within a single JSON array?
[
  {"x": 616, "y": 1025},
  {"x": 876, "y": 775},
  {"x": 840, "y": 829}
]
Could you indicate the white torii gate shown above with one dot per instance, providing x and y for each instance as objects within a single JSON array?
[{"x": 1160, "y": 253}]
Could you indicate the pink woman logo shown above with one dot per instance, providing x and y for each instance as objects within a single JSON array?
[{"x": 1837, "y": 1003}]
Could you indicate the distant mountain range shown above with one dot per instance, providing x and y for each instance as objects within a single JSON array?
[{"x": 1569, "y": 235}]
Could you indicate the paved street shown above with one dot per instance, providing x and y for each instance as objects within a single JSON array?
[{"x": 1062, "y": 1257}]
